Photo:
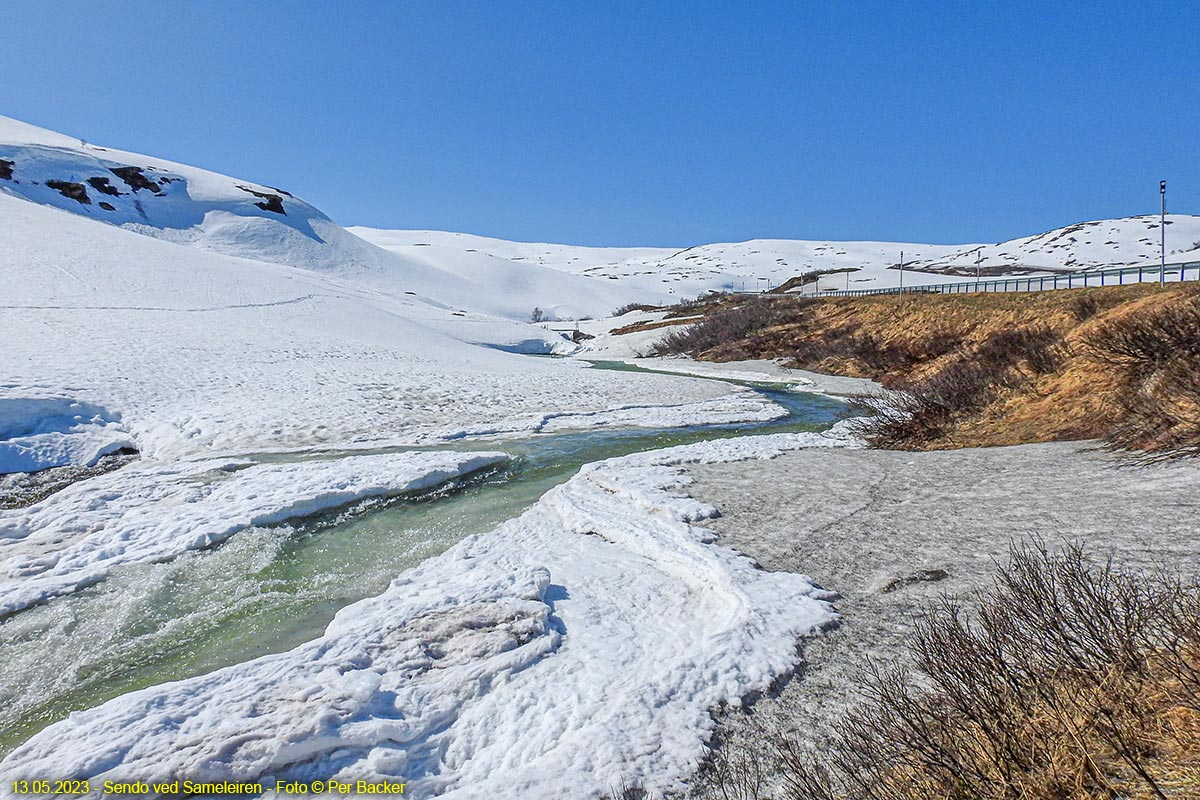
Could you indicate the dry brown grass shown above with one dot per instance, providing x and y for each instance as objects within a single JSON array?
[
  {"x": 932, "y": 341},
  {"x": 650, "y": 325}
]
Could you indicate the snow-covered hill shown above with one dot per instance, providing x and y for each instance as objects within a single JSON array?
[
  {"x": 1084, "y": 246},
  {"x": 191, "y": 320},
  {"x": 664, "y": 275},
  {"x": 219, "y": 326},
  {"x": 214, "y": 212},
  {"x": 466, "y": 273}
]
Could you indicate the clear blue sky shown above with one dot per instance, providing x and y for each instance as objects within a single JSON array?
[{"x": 666, "y": 123}]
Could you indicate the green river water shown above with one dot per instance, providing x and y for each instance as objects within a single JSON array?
[{"x": 269, "y": 589}]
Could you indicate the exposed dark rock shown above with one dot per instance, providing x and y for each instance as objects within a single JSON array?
[
  {"x": 74, "y": 191},
  {"x": 281, "y": 191},
  {"x": 6, "y": 169},
  {"x": 106, "y": 206},
  {"x": 103, "y": 186},
  {"x": 135, "y": 180},
  {"x": 270, "y": 202}
]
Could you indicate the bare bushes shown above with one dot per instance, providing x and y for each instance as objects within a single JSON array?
[
  {"x": 724, "y": 330},
  {"x": 1072, "y": 681},
  {"x": 1157, "y": 358},
  {"x": 927, "y": 409},
  {"x": 628, "y": 307}
]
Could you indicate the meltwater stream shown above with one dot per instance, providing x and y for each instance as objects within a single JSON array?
[{"x": 269, "y": 589}]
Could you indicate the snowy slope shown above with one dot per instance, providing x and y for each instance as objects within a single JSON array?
[
  {"x": 200, "y": 314},
  {"x": 215, "y": 212},
  {"x": 172, "y": 201},
  {"x": 1084, "y": 246},
  {"x": 664, "y": 275},
  {"x": 194, "y": 353}
]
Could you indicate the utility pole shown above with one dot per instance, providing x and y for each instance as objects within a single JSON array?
[
  {"x": 1162, "y": 232},
  {"x": 978, "y": 261},
  {"x": 901, "y": 272}
]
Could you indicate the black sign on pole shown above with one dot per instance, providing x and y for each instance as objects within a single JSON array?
[{"x": 1162, "y": 234}]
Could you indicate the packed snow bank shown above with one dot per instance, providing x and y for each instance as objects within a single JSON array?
[
  {"x": 578, "y": 645},
  {"x": 41, "y": 432},
  {"x": 74, "y": 538}
]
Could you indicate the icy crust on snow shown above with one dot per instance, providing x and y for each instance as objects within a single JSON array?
[
  {"x": 41, "y": 432},
  {"x": 578, "y": 645},
  {"x": 74, "y": 538}
]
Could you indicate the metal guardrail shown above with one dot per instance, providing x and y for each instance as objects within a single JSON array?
[{"x": 1039, "y": 283}]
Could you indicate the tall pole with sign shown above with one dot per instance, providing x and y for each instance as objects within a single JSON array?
[{"x": 1162, "y": 233}]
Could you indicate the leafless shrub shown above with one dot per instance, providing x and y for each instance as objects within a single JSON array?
[
  {"x": 697, "y": 303},
  {"x": 927, "y": 409},
  {"x": 627, "y": 792},
  {"x": 722, "y": 328},
  {"x": 1073, "y": 681},
  {"x": 625, "y": 309},
  {"x": 1038, "y": 347},
  {"x": 1084, "y": 306},
  {"x": 875, "y": 357},
  {"x": 737, "y": 772},
  {"x": 1141, "y": 343}
]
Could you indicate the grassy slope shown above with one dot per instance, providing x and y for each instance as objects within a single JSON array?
[{"x": 1063, "y": 393}]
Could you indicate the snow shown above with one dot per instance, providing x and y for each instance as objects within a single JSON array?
[
  {"x": 877, "y": 518},
  {"x": 576, "y": 646},
  {"x": 41, "y": 432},
  {"x": 655, "y": 275},
  {"x": 74, "y": 538},
  {"x": 201, "y": 354},
  {"x": 205, "y": 319},
  {"x": 1084, "y": 246},
  {"x": 759, "y": 371}
]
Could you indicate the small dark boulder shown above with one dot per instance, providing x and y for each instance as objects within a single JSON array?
[
  {"x": 6, "y": 168},
  {"x": 106, "y": 206}
]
